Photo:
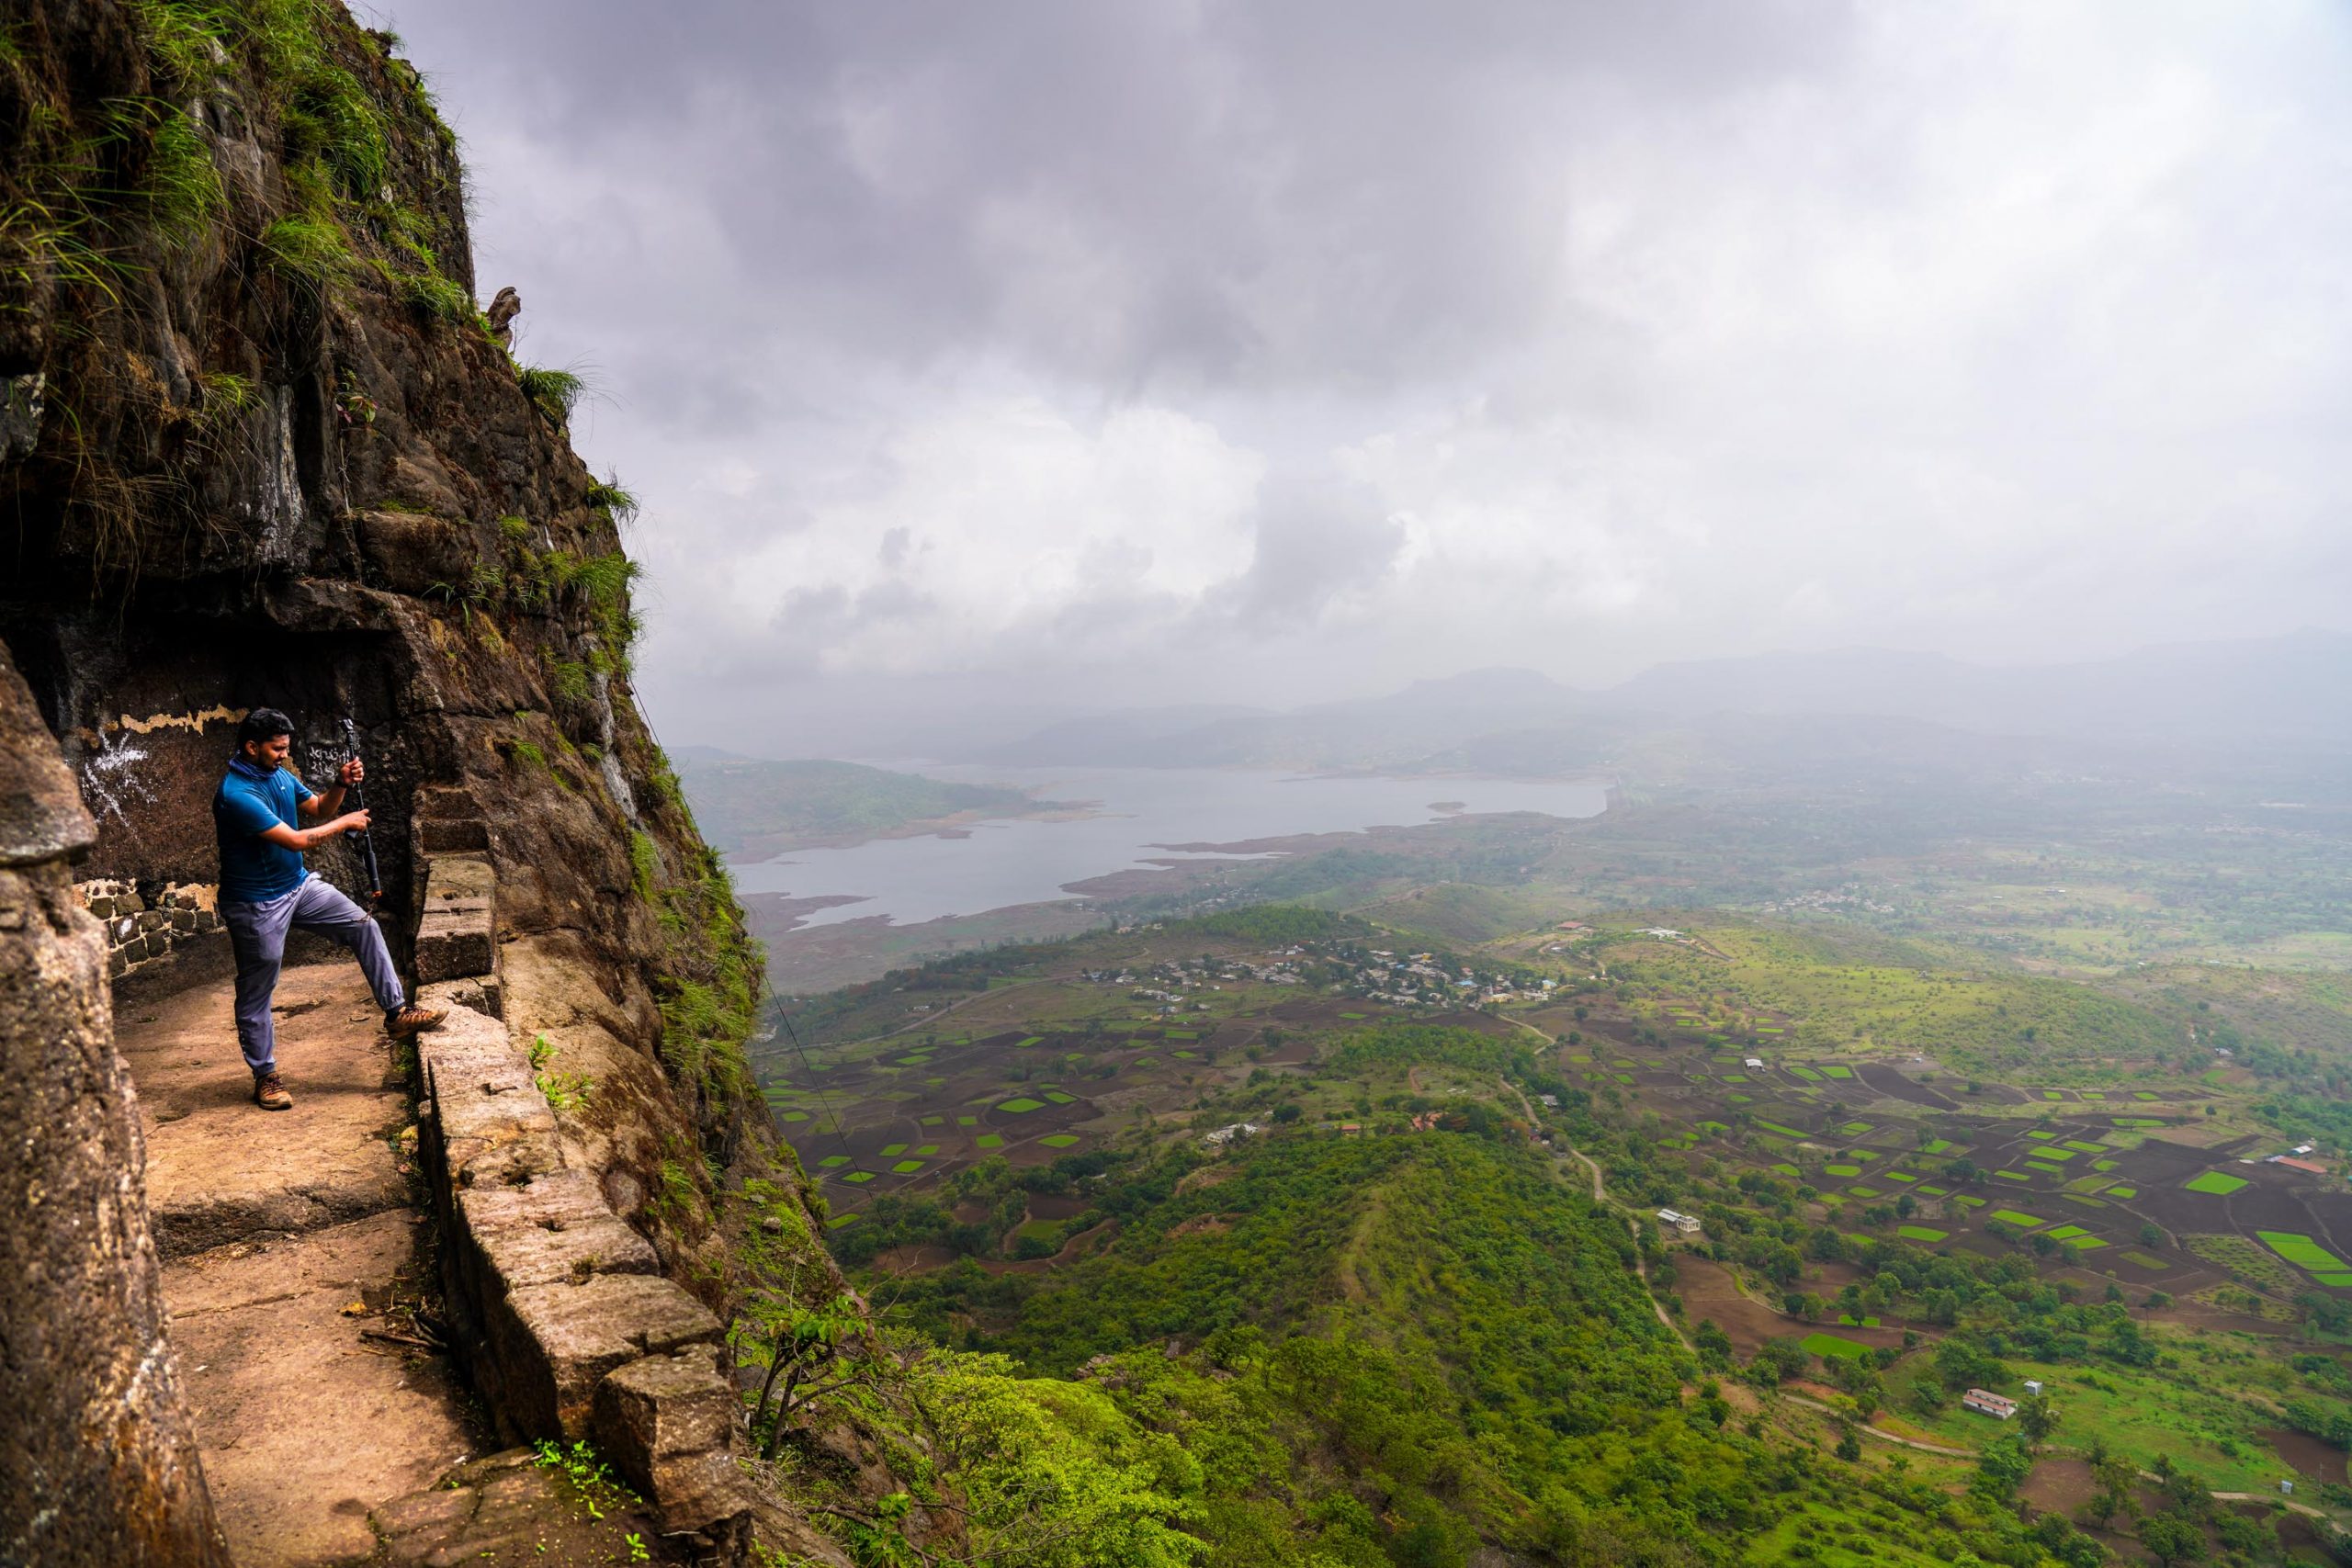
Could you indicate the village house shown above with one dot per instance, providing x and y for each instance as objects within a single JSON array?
[
  {"x": 1999, "y": 1406},
  {"x": 1678, "y": 1222}
]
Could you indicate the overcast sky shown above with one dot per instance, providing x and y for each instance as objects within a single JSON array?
[{"x": 1124, "y": 351}]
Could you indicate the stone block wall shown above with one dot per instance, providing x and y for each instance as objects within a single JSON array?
[
  {"x": 568, "y": 1328},
  {"x": 141, "y": 927}
]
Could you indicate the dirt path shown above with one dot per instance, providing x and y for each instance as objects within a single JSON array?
[
  {"x": 1601, "y": 1196},
  {"x": 2304, "y": 1509},
  {"x": 273, "y": 1227},
  {"x": 1599, "y": 1188},
  {"x": 1866, "y": 1429}
]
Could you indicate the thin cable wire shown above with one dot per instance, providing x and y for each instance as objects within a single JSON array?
[{"x": 832, "y": 1116}]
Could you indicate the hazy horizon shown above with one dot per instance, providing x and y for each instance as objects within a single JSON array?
[{"x": 1076, "y": 358}]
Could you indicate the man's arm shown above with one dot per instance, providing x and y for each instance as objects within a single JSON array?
[
  {"x": 303, "y": 838},
  {"x": 329, "y": 801}
]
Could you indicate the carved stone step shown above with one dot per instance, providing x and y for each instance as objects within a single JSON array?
[{"x": 456, "y": 936}]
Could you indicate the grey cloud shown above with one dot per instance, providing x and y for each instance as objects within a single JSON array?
[
  {"x": 1577, "y": 335},
  {"x": 1124, "y": 192},
  {"x": 1318, "y": 539}
]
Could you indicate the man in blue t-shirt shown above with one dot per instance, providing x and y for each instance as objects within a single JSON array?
[{"x": 265, "y": 891}]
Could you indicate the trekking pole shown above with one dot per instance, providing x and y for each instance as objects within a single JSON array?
[{"x": 359, "y": 803}]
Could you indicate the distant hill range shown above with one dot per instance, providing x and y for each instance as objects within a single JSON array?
[{"x": 2289, "y": 694}]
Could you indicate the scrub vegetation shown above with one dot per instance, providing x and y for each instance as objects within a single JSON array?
[{"x": 1325, "y": 1184}]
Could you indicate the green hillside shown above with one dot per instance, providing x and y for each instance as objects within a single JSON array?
[{"x": 1431, "y": 1333}]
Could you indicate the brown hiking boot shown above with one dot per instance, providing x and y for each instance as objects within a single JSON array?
[
  {"x": 269, "y": 1093},
  {"x": 414, "y": 1020}
]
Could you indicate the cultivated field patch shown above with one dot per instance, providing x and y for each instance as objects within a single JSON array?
[
  {"x": 1820, "y": 1343},
  {"x": 2301, "y": 1251}
]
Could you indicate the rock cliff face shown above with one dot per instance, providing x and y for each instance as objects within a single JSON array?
[
  {"x": 100, "y": 1464},
  {"x": 257, "y": 447}
]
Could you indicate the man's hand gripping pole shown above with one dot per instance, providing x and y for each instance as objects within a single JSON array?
[{"x": 359, "y": 803}]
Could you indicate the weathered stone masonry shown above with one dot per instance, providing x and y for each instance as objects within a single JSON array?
[
  {"x": 568, "y": 1328},
  {"x": 142, "y": 927}
]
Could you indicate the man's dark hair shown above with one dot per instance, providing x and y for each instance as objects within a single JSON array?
[{"x": 264, "y": 724}]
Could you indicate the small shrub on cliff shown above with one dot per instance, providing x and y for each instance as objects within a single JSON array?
[
  {"x": 1039, "y": 1471},
  {"x": 708, "y": 985},
  {"x": 660, "y": 788},
  {"x": 310, "y": 250},
  {"x": 331, "y": 120},
  {"x": 607, "y": 496},
  {"x": 436, "y": 296},
  {"x": 602, "y": 582},
  {"x": 555, "y": 392},
  {"x": 600, "y": 585},
  {"x": 645, "y": 864},
  {"x": 564, "y": 1091},
  {"x": 178, "y": 185},
  {"x": 567, "y": 681}
]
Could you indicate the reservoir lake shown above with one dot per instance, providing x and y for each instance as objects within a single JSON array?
[{"x": 1135, "y": 813}]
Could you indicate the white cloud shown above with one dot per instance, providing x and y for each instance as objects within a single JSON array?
[{"x": 986, "y": 533}]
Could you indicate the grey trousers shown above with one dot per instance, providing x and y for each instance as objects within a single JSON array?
[{"x": 257, "y": 936}]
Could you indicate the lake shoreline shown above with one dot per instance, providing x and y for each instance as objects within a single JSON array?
[{"x": 1117, "y": 832}]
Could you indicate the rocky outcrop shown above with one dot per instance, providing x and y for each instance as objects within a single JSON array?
[
  {"x": 259, "y": 447},
  {"x": 278, "y": 460},
  {"x": 98, "y": 1464}
]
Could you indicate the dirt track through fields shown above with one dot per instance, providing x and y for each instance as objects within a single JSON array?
[{"x": 1601, "y": 1196}]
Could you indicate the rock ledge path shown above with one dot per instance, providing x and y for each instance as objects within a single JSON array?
[{"x": 273, "y": 1227}]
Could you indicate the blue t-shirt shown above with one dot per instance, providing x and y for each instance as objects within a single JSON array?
[{"x": 250, "y": 802}]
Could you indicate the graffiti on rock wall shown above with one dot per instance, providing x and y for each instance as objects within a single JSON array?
[{"x": 111, "y": 787}]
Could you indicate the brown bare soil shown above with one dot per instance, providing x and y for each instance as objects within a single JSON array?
[
  {"x": 1896, "y": 1084},
  {"x": 1708, "y": 1292},
  {"x": 2306, "y": 1453},
  {"x": 2060, "y": 1486},
  {"x": 2299, "y": 1536},
  {"x": 1207, "y": 1176},
  {"x": 2204, "y": 1314}
]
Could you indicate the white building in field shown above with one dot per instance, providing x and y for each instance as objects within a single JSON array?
[
  {"x": 1678, "y": 1222},
  {"x": 1998, "y": 1406}
]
